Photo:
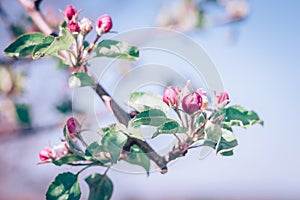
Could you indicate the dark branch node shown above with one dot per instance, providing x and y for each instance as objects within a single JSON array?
[{"x": 37, "y": 4}]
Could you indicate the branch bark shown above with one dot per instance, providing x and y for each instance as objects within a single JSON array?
[{"x": 36, "y": 16}]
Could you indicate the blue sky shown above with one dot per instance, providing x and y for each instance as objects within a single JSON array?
[{"x": 260, "y": 71}]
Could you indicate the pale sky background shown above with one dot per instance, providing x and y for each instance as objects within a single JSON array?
[{"x": 260, "y": 71}]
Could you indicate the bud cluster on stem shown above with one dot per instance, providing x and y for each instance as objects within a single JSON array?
[
  {"x": 189, "y": 106},
  {"x": 80, "y": 28}
]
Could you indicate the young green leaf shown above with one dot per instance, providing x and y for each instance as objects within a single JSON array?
[
  {"x": 227, "y": 142},
  {"x": 68, "y": 159},
  {"x": 116, "y": 49},
  {"x": 65, "y": 186},
  {"x": 101, "y": 187},
  {"x": 51, "y": 45},
  {"x": 23, "y": 114},
  {"x": 212, "y": 132},
  {"x": 80, "y": 79},
  {"x": 24, "y": 45},
  {"x": 137, "y": 157},
  {"x": 112, "y": 142},
  {"x": 169, "y": 127},
  {"x": 239, "y": 116},
  {"x": 153, "y": 117},
  {"x": 142, "y": 101}
]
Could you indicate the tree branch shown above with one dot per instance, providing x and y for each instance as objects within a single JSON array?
[
  {"x": 36, "y": 16},
  {"x": 123, "y": 117}
]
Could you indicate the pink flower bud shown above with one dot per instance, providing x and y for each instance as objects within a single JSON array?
[
  {"x": 73, "y": 127},
  {"x": 170, "y": 96},
  {"x": 192, "y": 103},
  {"x": 223, "y": 97},
  {"x": 104, "y": 24},
  {"x": 73, "y": 27},
  {"x": 46, "y": 154},
  {"x": 70, "y": 11},
  {"x": 86, "y": 25}
]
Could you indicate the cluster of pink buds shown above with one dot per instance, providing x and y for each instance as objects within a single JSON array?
[
  {"x": 103, "y": 24},
  {"x": 191, "y": 102}
]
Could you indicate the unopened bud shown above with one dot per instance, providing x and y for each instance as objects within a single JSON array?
[
  {"x": 171, "y": 96},
  {"x": 73, "y": 127},
  {"x": 73, "y": 27},
  {"x": 46, "y": 154},
  {"x": 70, "y": 11},
  {"x": 104, "y": 24},
  {"x": 192, "y": 103},
  {"x": 86, "y": 25}
]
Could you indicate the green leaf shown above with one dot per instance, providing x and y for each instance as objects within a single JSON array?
[
  {"x": 23, "y": 114},
  {"x": 116, "y": 49},
  {"x": 239, "y": 116},
  {"x": 80, "y": 79},
  {"x": 212, "y": 132},
  {"x": 137, "y": 157},
  {"x": 68, "y": 159},
  {"x": 40, "y": 49},
  {"x": 209, "y": 144},
  {"x": 101, "y": 187},
  {"x": 169, "y": 127},
  {"x": 51, "y": 45},
  {"x": 227, "y": 153},
  {"x": 227, "y": 142},
  {"x": 142, "y": 101},
  {"x": 74, "y": 148},
  {"x": 153, "y": 117},
  {"x": 112, "y": 142},
  {"x": 24, "y": 45},
  {"x": 65, "y": 186}
]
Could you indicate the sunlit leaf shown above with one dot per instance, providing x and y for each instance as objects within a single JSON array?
[
  {"x": 101, "y": 187},
  {"x": 153, "y": 117},
  {"x": 68, "y": 159},
  {"x": 65, "y": 186},
  {"x": 239, "y": 116},
  {"x": 142, "y": 101},
  {"x": 137, "y": 157},
  {"x": 212, "y": 132},
  {"x": 227, "y": 142},
  {"x": 112, "y": 142},
  {"x": 51, "y": 45},
  {"x": 116, "y": 49},
  {"x": 80, "y": 79},
  {"x": 169, "y": 127},
  {"x": 24, "y": 45}
]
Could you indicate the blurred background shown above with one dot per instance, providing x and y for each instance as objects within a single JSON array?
[{"x": 255, "y": 46}]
